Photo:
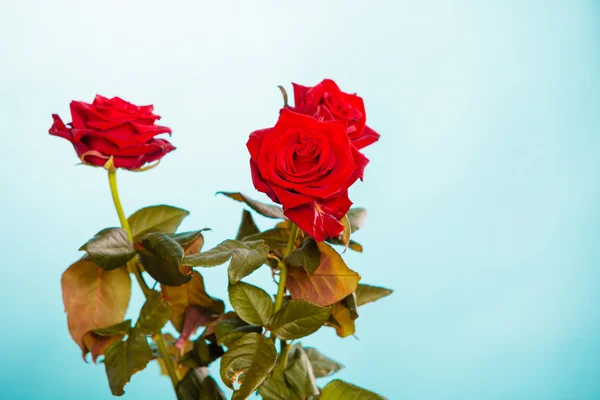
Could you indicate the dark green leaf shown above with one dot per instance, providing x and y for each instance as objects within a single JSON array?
[
  {"x": 247, "y": 226},
  {"x": 338, "y": 390},
  {"x": 154, "y": 314},
  {"x": 306, "y": 256},
  {"x": 367, "y": 293},
  {"x": 117, "y": 329},
  {"x": 205, "y": 353},
  {"x": 276, "y": 388},
  {"x": 198, "y": 385},
  {"x": 300, "y": 376},
  {"x": 274, "y": 238},
  {"x": 160, "y": 218},
  {"x": 298, "y": 318},
  {"x": 161, "y": 257},
  {"x": 123, "y": 359},
  {"x": 322, "y": 366},
  {"x": 110, "y": 248},
  {"x": 356, "y": 217},
  {"x": 249, "y": 359},
  {"x": 191, "y": 242},
  {"x": 267, "y": 210},
  {"x": 251, "y": 303},
  {"x": 245, "y": 257},
  {"x": 231, "y": 329}
]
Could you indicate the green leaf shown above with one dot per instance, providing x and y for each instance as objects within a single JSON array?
[
  {"x": 123, "y": 359},
  {"x": 231, "y": 329},
  {"x": 300, "y": 376},
  {"x": 276, "y": 388},
  {"x": 110, "y": 248},
  {"x": 159, "y": 218},
  {"x": 198, "y": 385},
  {"x": 322, "y": 366},
  {"x": 116, "y": 329},
  {"x": 247, "y": 226},
  {"x": 161, "y": 257},
  {"x": 306, "y": 256},
  {"x": 298, "y": 318},
  {"x": 250, "y": 359},
  {"x": 93, "y": 299},
  {"x": 154, "y": 314},
  {"x": 245, "y": 257},
  {"x": 251, "y": 303},
  {"x": 337, "y": 390},
  {"x": 274, "y": 238},
  {"x": 368, "y": 293},
  {"x": 205, "y": 353},
  {"x": 191, "y": 242},
  {"x": 267, "y": 210},
  {"x": 356, "y": 217}
]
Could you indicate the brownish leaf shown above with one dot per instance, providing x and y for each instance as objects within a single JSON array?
[
  {"x": 189, "y": 294},
  {"x": 328, "y": 284},
  {"x": 97, "y": 344},
  {"x": 94, "y": 298}
]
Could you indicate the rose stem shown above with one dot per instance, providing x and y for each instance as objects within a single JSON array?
[
  {"x": 283, "y": 267},
  {"x": 132, "y": 265}
]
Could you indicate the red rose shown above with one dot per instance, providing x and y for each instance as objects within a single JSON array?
[
  {"x": 113, "y": 128},
  {"x": 307, "y": 165},
  {"x": 327, "y": 102}
]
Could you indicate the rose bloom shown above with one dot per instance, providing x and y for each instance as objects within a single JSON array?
[
  {"x": 307, "y": 166},
  {"x": 113, "y": 128},
  {"x": 327, "y": 102}
]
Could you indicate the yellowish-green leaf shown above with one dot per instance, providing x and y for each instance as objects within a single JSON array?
[
  {"x": 161, "y": 218},
  {"x": 340, "y": 390},
  {"x": 251, "y": 303},
  {"x": 322, "y": 365},
  {"x": 247, "y": 226},
  {"x": 341, "y": 320},
  {"x": 297, "y": 318},
  {"x": 368, "y": 293}
]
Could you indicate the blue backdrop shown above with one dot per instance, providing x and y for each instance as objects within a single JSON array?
[{"x": 483, "y": 191}]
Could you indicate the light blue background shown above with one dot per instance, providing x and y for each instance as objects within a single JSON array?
[{"x": 483, "y": 191}]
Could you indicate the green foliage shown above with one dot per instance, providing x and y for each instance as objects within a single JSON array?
[
  {"x": 245, "y": 257},
  {"x": 267, "y": 210},
  {"x": 231, "y": 329},
  {"x": 125, "y": 358},
  {"x": 321, "y": 365},
  {"x": 161, "y": 218},
  {"x": 197, "y": 385},
  {"x": 249, "y": 361},
  {"x": 110, "y": 248},
  {"x": 298, "y": 318},
  {"x": 338, "y": 390},
  {"x": 367, "y": 293},
  {"x": 251, "y": 303},
  {"x": 154, "y": 314},
  {"x": 161, "y": 257},
  {"x": 247, "y": 226},
  {"x": 307, "y": 256},
  {"x": 299, "y": 374}
]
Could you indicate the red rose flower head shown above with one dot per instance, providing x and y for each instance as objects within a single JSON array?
[
  {"x": 307, "y": 166},
  {"x": 113, "y": 128},
  {"x": 327, "y": 102}
]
